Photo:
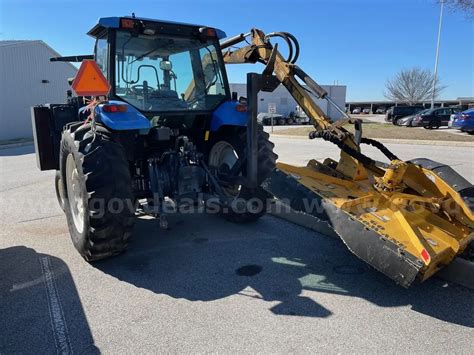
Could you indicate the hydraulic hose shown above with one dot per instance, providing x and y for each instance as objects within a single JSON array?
[
  {"x": 291, "y": 41},
  {"x": 286, "y": 39},
  {"x": 363, "y": 159},
  {"x": 380, "y": 147},
  {"x": 296, "y": 45}
]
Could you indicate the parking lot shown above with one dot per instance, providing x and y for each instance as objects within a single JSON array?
[
  {"x": 209, "y": 285},
  {"x": 381, "y": 120}
]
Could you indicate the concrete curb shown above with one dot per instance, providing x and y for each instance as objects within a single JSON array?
[
  {"x": 15, "y": 145},
  {"x": 459, "y": 271},
  {"x": 395, "y": 141}
]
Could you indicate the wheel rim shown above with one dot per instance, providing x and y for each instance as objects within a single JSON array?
[
  {"x": 224, "y": 154},
  {"x": 74, "y": 195}
]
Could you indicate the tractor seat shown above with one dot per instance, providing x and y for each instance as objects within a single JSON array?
[
  {"x": 166, "y": 99},
  {"x": 164, "y": 93}
]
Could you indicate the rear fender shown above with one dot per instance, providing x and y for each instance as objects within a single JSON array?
[
  {"x": 122, "y": 121},
  {"x": 227, "y": 115}
]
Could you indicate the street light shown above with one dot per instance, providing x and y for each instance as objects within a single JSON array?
[{"x": 435, "y": 79}]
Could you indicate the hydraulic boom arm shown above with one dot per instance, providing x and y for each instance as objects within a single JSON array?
[
  {"x": 261, "y": 50},
  {"x": 352, "y": 162}
]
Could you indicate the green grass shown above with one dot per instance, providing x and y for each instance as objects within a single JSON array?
[{"x": 380, "y": 130}]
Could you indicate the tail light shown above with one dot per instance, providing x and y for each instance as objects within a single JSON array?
[
  {"x": 241, "y": 108},
  {"x": 464, "y": 116},
  {"x": 209, "y": 32},
  {"x": 127, "y": 23},
  {"x": 114, "y": 108}
]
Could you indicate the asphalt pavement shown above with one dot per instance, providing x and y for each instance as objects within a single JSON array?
[{"x": 207, "y": 285}]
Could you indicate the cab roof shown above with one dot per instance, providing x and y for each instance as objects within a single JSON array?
[{"x": 114, "y": 22}]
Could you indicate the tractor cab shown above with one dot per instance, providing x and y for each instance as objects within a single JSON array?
[{"x": 163, "y": 69}]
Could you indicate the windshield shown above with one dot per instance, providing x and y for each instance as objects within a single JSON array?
[
  {"x": 424, "y": 112},
  {"x": 165, "y": 73}
]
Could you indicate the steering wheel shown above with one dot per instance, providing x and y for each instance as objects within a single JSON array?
[{"x": 138, "y": 89}]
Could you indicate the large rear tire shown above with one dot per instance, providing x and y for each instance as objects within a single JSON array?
[
  {"x": 97, "y": 192},
  {"x": 247, "y": 205}
]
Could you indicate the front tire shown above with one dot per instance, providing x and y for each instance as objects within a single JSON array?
[
  {"x": 246, "y": 205},
  {"x": 432, "y": 125},
  {"x": 97, "y": 191}
]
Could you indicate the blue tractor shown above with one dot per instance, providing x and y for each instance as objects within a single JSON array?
[{"x": 169, "y": 131}]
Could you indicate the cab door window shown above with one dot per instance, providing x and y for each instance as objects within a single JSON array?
[{"x": 101, "y": 54}]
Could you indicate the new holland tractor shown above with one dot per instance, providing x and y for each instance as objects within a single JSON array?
[
  {"x": 154, "y": 123},
  {"x": 167, "y": 128}
]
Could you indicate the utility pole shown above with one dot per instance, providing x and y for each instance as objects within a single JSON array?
[{"x": 435, "y": 78}]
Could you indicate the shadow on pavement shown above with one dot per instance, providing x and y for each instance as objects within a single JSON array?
[
  {"x": 40, "y": 308},
  {"x": 201, "y": 258},
  {"x": 22, "y": 150}
]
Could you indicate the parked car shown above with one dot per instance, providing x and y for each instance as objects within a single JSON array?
[
  {"x": 463, "y": 120},
  {"x": 356, "y": 111},
  {"x": 435, "y": 118},
  {"x": 366, "y": 111},
  {"x": 396, "y": 112},
  {"x": 265, "y": 119},
  {"x": 380, "y": 111},
  {"x": 407, "y": 121}
]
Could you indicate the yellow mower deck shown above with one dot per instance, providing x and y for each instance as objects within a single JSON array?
[{"x": 404, "y": 234}]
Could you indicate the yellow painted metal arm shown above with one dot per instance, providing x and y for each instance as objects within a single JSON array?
[{"x": 260, "y": 50}]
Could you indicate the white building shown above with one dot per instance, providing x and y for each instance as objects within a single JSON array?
[
  {"x": 28, "y": 78},
  {"x": 280, "y": 101}
]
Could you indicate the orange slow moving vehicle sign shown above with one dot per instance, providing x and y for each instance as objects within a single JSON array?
[{"x": 90, "y": 81}]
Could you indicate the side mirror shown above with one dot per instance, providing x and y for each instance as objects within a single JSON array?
[{"x": 166, "y": 65}]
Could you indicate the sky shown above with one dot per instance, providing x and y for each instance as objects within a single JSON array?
[{"x": 359, "y": 44}]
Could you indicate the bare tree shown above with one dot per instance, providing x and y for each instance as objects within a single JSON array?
[
  {"x": 411, "y": 86},
  {"x": 465, "y": 6}
]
